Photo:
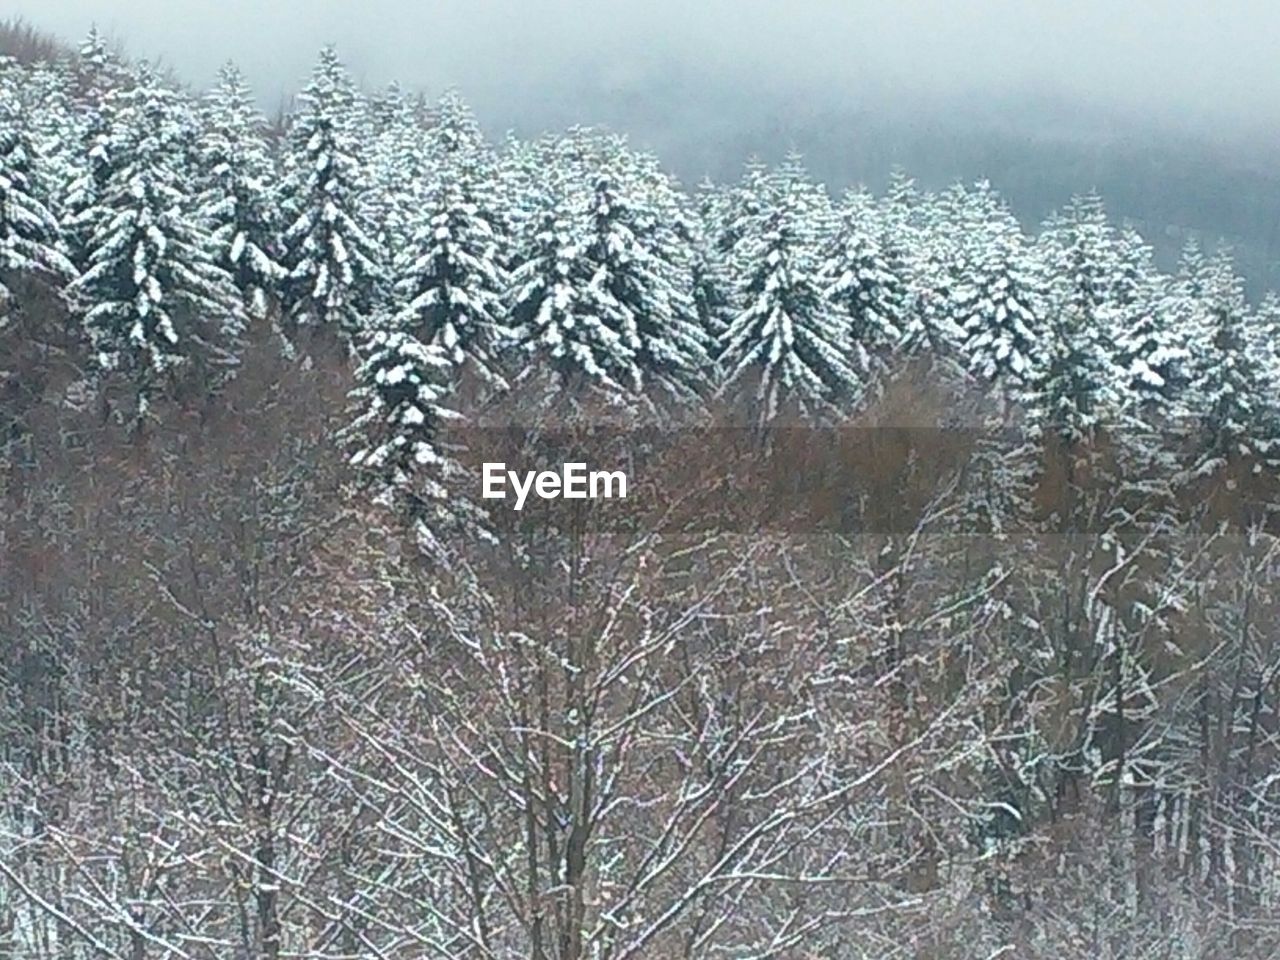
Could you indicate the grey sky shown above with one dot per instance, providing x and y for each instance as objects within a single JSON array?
[
  {"x": 1171, "y": 108},
  {"x": 1200, "y": 67}
]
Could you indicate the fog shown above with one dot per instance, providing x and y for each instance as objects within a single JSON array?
[
  {"x": 1183, "y": 62},
  {"x": 1170, "y": 107}
]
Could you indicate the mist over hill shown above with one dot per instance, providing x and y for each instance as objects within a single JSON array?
[
  {"x": 1037, "y": 150},
  {"x": 1167, "y": 109}
]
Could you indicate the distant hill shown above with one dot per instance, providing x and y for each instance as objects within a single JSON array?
[{"x": 1036, "y": 151}]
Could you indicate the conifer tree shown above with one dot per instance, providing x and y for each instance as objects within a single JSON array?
[
  {"x": 1185, "y": 314},
  {"x": 995, "y": 303},
  {"x": 237, "y": 203},
  {"x": 1264, "y": 341},
  {"x": 330, "y": 256},
  {"x": 399, "y": 174},
  {"x": 153, "y": 296},
  {"x": 929, "y": 330},
  {"x": 451, "y": 283},
  {"x": 899, "y": 219},
  {"x": 561, "y": 318},
  {"x": 1239, "y": 419},
  {"x": 401, "y": 413},
  {"x": 99, "y": 73},
  {"x": 858, "y": 277},
  {"x": 639, "y": 254},
  {"x": 740, "y": 207},
  {"x": 454, "y": 137},
  {"x": 1150, "y": 354},
  {"x": 1079, "y": 251},
  {"x": 1079, "y": 388},
  {"x": 31, "y": 244},
  {"x": 785, "y": 352},
  {"x": 712, "y": 282},
  {"x": 44, "y": 95}
]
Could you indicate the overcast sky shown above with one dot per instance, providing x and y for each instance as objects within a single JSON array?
[{"x": 1202, "y": 67}]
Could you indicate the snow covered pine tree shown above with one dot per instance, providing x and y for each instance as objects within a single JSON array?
[
  {"x": 331, "y": 259},
  {"x": 31, "y": 245},
  {"x": 155, "y": 301}
]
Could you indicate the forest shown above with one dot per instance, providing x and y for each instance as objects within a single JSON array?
[{"x": 940, "y": 620}]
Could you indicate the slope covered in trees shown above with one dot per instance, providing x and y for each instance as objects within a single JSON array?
[{"x": 941, "y": 622}]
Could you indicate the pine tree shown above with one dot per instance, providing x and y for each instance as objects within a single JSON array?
[
  {"x": 1150, "y": 354},
  {"x": 1264, "y": 341},
  {"x": 454, "y": 138},
  {"x": 858, "y": 277},
  {"x": 237, "y": 204},
  {"x": 44, "y": 94},
  {"x": 1240, "y": 422},
  {"x": 1079, "y": 250},
  {"x": 639, "y": 252},
  {"x": 451, "y": 283},
  {"x": 153, "y": 296},
  {"x": 786, "y": 349},
  {"x": 929, "y": 330},
  {"x": 996, "y": 302},
  {"x": 1075, "y": 391},
  {"x": 332, "y": 261},
  {"x": 400, "y": 416},
  {"x": 98, "y": 69},
  {"x": 712, "y": 283},
  {"x": 99, "y": 74},
  {"x": 899, "y": 219},
  {"x": 1185, "y": 315},
  {"x": 388, "y": 108},
  {"x": 740, "y": 207},
  {"x": 562, "y": 318},
  {"x": 31, "y": 245},
  {"x": 399, "y": 173},
  {"x": 1079, "y": 388}
]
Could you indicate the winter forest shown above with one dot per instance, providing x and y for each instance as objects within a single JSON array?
[{"x": 942, "y": 622}]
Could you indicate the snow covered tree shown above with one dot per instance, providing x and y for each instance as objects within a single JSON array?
[
  {"x": 1150, "y": 352},
  {"x": 1079, "y": 251},
  {"x": 1264, "y": 340},
  {"x": 451, "y": 283},
  {"x": 329, "y": 253},
  {"x": 727, "y": 211},
  {"x": 454, "y": 138},
  {"x": 996, "y": 301},
  {"x": 857, "y": 276},
  {"x": 387, "y": 108},
  {"x": 786, "y": 350},
  {"x": 1079, "y": 388},
  {"x": 602, "y": 283},
  {"x": 400, "y": 413},
  {"x": 929, "y": 329},
  {"x": 237, "y": 202},
  {"x": 712, "y": 283},
  {"x": 561, "y": 318},
  {"x": 153, "y": 297},
  {"x": 31, "y": 245},
  {"x": 640, "y": 257},
  {"x": 98, "y": 74},
  {"x": 98, "y": 67},
  {"x": 44, "y": 93},
  {"x": 1076, "y": 389},
  {"x": 899, "y": 220},
  {"x": 1240, "y": 423},
  {"x": 399, "y": 172}
]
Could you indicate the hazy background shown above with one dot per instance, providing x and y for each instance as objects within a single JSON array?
[{"x": 1171, "y": 108}]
